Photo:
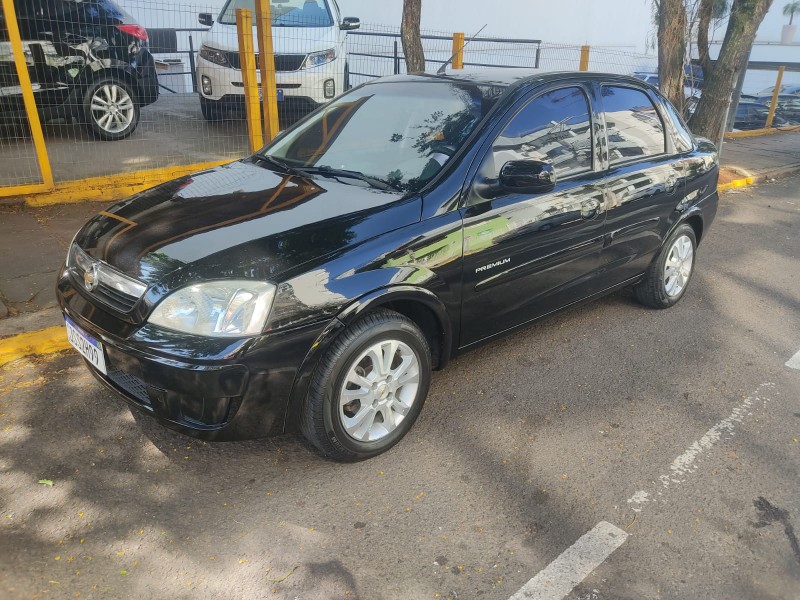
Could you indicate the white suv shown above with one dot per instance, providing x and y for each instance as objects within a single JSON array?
[{"x": 310, "y": 44}]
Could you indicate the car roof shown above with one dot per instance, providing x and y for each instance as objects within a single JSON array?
[{"x": 510, "y": 77}]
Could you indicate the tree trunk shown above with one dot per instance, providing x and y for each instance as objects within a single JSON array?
[
  {"x": 708, "y": 119},
  {"x": 409, "y": 32},
  {"x": 672, "y": 50},
  {"x": 703, "y": 23}
]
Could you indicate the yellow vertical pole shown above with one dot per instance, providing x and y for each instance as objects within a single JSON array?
[
  {"x": 458, "y": 51},
  {"x": 27, "y": 93},
  {"x": 584, "y": 66},
  {"x": 247, "y": 59},
  {"x": 774, "y": 103},
  {"x": 266, "y": 59}
]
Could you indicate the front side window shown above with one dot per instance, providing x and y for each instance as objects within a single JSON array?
[
  {"x": 397, "y": 133},
  {"x": 553, "y": 128},
  {"x": 634, "y": 126},
  {"x": 285, "y": 13}
]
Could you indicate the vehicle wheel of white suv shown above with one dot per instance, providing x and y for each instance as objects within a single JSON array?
[{"x": 211, "y": 110}]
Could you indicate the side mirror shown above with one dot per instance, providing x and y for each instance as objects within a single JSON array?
[
  {"x": 528, "y": 176},
  {"x": 350, "y": 23},
  {"x": 206, "y": 19}
]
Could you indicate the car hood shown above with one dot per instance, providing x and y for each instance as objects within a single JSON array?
[
  {"x": 239, "y": 221},
  {"x": 285, "y": 40}
]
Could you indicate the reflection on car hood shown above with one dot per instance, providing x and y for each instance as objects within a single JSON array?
[
  {"x": 239, "y": 220},
  {"x": 285, "y": 40}
]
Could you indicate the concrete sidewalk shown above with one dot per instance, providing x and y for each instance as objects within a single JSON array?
[{"x": 34, "y": 241}]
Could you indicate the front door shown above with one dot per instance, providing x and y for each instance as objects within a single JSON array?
[{"x": 528, "y": 254}]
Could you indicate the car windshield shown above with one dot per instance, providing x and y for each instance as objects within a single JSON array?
[
  {"x": 400, "y": 133},
  {"x": 285, "y": 13}
]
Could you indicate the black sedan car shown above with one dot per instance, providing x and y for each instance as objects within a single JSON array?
[
  {"x": 788, "y": 106},
  {"x": 316, "y": 284},
  {"x": 751, "y": 114},
  {"x": 87, "y": 60}
]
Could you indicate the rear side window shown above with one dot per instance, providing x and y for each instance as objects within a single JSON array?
[
  {"x": 634, "y": 126},
  {"x": 683, "y": 139},
  {"x": 553, "y": 128}
]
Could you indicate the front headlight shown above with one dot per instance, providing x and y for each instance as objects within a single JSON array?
[
  {"x": 316, "y": 59},
  {"x": 218, "y": 57},
  {"x": 217, "y": 309}
]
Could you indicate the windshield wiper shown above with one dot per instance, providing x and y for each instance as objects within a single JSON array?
[
  {"x": 276, "y": 162},
  {"x": 381, "y": 184}
]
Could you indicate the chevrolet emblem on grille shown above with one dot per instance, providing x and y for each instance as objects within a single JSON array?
[{"x": 91, "y": 278}]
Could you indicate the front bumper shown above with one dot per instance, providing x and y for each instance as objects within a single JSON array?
[
  {"x": 212, "y": 389},
  {"x": 304, "y": 83}
]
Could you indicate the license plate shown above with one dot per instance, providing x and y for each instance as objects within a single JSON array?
[
  {"x": 261, "y": 95},
  {"x": 90, "y": 348}
]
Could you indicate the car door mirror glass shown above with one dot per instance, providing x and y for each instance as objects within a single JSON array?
[
  {"x": 205, "y": 19},
  {"x": 527, "y": 176},
  {"x": 350, "y": 23}
]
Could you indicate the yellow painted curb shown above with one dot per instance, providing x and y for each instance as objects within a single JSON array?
[
  {"x": 44, "y": 341},
  {"x": 735, "y": 135},
  {"x": 736, "y": 183},
  {"x": 114, "y": 187}
]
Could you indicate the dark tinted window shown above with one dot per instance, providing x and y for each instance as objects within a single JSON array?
[
  {"x": 634, "y": 127},
  {"x": 553, "y": 128}
]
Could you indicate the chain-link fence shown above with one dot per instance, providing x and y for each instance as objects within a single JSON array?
[{"x": 140, "y": 85}]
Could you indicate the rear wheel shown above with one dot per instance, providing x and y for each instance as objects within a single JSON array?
[
  {"x": 369, "y": 388},
  {"x": 110, "y": 109},
  {"x": 668, "y": 277}
]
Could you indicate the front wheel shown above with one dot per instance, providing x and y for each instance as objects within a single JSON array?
[
  {"x": 110, "y": 109},
  {"x": 668, "y": 277},
  {"x": 369, "y": 388}
]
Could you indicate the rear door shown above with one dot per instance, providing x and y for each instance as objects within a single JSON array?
[
  {"x": 644, "y": 185},
  {"x": 528, "y": 254}
]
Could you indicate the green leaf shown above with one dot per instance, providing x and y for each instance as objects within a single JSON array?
[{"x": 46, "y": 482}]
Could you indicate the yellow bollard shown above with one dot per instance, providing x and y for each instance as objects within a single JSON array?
[
  {"x": 30, "y": 106},
  {"x": 584, "y": 66},
  {"x": 458, "y": 51},
  {"x": 247, "y": 58},
  {"x": 266, "y": 59},
  {"x": 774, "y": 103}
]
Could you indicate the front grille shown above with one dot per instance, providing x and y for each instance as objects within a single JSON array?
[
  {"x": 131, "y": 385},
  {"x": 117, "y": 300},
  {"x": 283, "y": 62}
]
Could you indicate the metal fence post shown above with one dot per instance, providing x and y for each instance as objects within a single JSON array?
[
  {"x": 192, "y": 66},
  {"x": 266, "y": 59},
  {"x": 458, "y": 51},
  {"x": 775, "y": 93},
  {"x": 538, "y": 56},
  {"x": 247, "y": 58},
  {"x": 30, "y": 105},
  {"x": 396, "y": 59},
  {"x": 584, "y": 65}
]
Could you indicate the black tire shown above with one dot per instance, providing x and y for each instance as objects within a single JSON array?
[
  {"x": 89, "y": 116},
  {"x": 321, "y": 422},
  {"x": 652, "y": 290},
  {"x": 211, "y": 111}
]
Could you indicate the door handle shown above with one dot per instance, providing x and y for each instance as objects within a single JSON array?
[
  {"x": 671, "y": 183},
  {"x": 590, "y": 208}
]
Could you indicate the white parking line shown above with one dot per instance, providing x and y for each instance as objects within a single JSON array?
[
  {"x": 794, "y": 362},
  {"x": 685, "y": 464},
  {"x": 559, "y": 578}
]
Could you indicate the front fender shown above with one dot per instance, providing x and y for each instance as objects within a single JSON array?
[{"x": 362, "y": 305}]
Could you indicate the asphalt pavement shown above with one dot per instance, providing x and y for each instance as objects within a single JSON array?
[{"x": 655, "y": 451}]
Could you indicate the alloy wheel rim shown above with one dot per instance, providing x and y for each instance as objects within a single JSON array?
[
  {"x": 678, "y": 267},
  {"x": 379, "y": 390},
  {"x": 112, "y": 108}
]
